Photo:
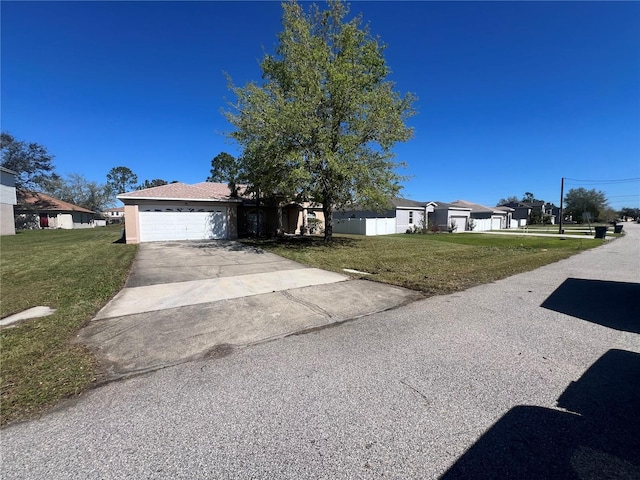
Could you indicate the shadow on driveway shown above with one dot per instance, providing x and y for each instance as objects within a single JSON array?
[
  {"x": 611, "y": 304},
  {"x": 598, "y": 440}
]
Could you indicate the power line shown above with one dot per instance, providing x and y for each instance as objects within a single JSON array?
[{"x": 604, "y": 182}]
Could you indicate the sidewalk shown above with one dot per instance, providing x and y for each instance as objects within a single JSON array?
[{"x": 578, "y": 234}]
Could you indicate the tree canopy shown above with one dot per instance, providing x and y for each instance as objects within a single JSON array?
[
  {"x": 31, "y": 162},
  {"x": 121, "y": 180},
  {"x": 77, "y": 190},
  {"x": 226, "y": 169},
  {"x": 323, "y": 123},
  {"x": 511, "y": 199},
  {"x": 528, "y": 197},
  {"x": 630, "y": 212},
  {"x": 579, "y": 201},
  {"x": 156, "y": 182}
]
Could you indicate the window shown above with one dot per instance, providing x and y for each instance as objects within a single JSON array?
[{"x": 410, "y": 218}]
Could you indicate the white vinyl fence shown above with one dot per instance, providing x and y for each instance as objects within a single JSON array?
[
  {"x": 365, "y": 226},
  {"x": 481, "y": 224}
]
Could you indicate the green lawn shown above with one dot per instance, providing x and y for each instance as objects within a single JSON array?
[
  {"x": 433, "y": 264},
  {"x": 73, "y": 271}
]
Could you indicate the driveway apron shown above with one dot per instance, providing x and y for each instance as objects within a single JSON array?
[{"x": 187, "y": 300}]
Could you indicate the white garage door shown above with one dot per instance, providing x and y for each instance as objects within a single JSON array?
[
  {"x": 159, "y": 226},
  {"x": 496, "y": 223},
  {"x": 461, "y": 223}
]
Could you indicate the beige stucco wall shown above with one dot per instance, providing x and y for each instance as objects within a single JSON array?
[{"x": 131, "y": 224}]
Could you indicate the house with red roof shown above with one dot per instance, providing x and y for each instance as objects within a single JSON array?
[{"x": 39, "y": 210}]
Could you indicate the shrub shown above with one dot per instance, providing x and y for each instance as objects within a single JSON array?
[
  {"x": 471, "y": 224},
  {"x": 314, "y": 225}
]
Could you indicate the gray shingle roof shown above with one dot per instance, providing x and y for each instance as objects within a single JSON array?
[{"x": 476, "y": 207}]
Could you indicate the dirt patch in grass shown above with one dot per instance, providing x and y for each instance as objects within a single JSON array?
[
  {"x": 74, "y": 271},
  {"x": 432, "y": 264}
]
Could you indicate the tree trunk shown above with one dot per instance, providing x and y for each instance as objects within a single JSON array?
[
  {"x": 280, "y": 223},
  {"x": 327, "y": 209}
]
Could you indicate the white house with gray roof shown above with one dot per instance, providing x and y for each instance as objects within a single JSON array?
[
  {"x": 400, "y": 215},
  {"x": 486, "y": 218}
]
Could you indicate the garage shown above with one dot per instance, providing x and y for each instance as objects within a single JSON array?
[
  {"x": 203, "y": 225},
  {"x": 178, "y": 211},
  {"x": 496, "y": 223},
  {"x": 460, "y": 223}
]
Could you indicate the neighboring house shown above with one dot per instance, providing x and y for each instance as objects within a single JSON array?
[
  {"x": 551, "y": 212},
  {"x": 7, "y": 201},
  {"x": 447, "y": 215},
  {"x": 522, "y": 211},
  {"x": 400, "y": 215},
  {"x": 487, "y": 218},
  {"x": 511, "y": 223},
  {"x": 38, "y": 210},
  {"x": 114, "y": 215}
]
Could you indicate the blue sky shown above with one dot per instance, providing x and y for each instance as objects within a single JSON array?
[{"x": 512, "y": 95}]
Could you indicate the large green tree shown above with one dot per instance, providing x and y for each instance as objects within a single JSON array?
[
  {"x": 579, "y": 201},
  {"x": 31, "y": 161},
  {"x": 121, "y": 180},
  {"x": 322, "y": 124}
]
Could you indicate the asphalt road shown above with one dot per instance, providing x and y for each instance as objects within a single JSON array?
[{"x": 534, "y": 376}]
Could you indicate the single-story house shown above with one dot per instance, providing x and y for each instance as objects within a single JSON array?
[
  {"x": 486, "y": 218},
  {"x": 7, "y": 201},
  {"x": 207, "y": 210},
  {"x": 400, "y": 215},
  {"x": 39, "y": 210},
  {"x": 178, "y": 211},
  {"x": 448, "y": 215}
]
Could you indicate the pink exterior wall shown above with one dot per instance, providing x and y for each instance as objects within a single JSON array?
[{"x": 131, "y": 225}]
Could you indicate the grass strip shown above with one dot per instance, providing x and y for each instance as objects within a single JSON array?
[
  {"x": 432, "y": 264},
  {"x": 74, "y": 271}
]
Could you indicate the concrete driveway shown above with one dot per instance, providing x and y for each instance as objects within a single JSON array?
[{"x": 188, "y": 300}]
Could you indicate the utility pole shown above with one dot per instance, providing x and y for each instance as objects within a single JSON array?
[{"x": 561, "y": 212}]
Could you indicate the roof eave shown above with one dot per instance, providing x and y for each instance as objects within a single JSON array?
[{"x": 180, "y": 199}]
